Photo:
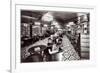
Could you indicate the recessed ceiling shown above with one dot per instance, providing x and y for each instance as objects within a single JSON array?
[{"x": 37, "y": 15}]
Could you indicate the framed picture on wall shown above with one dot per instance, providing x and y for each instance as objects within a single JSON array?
[{"x": 49, "y": 36}]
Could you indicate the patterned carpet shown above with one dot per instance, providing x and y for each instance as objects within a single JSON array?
[{"x": 68, "y": 53}]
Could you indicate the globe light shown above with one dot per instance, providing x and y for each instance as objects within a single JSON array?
[
  {"x": 25, "y": 25},
  {"x": 67, "y": 25},
  {"x": 37, "y": 23},
  {"x": 45, "y": 25},
  {"x": 52, "y": 27},
  {"x": 47, "y": 17},
  {"x": 56, "y": 24},
  {"x": 71, "y": 23},
  {"x": 85, "y": 18}
]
